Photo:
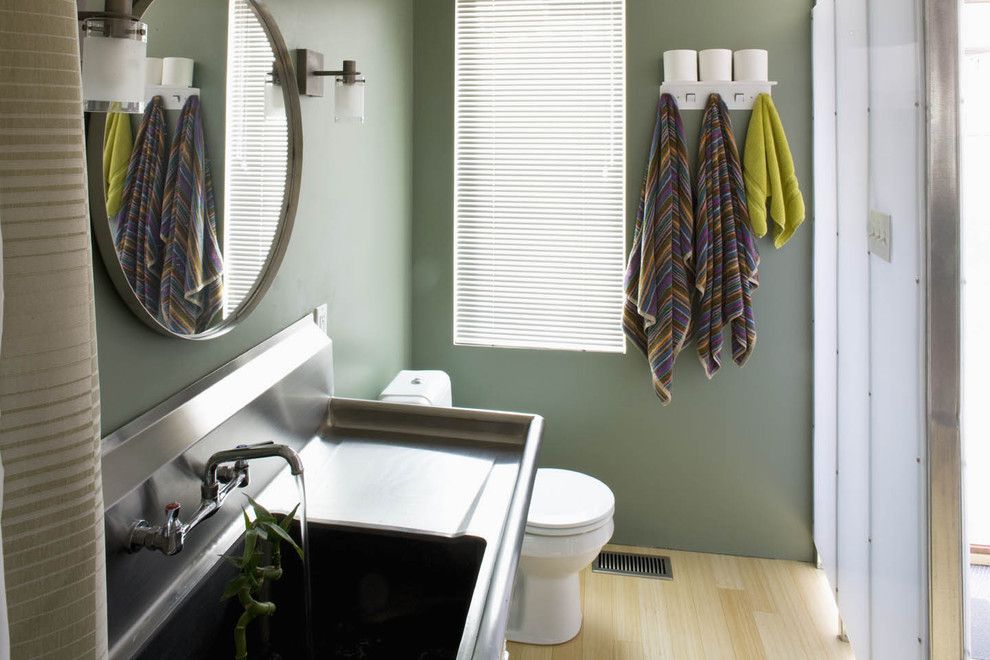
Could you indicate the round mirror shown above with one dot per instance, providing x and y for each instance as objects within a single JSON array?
[{"x": 193, "y": 199}]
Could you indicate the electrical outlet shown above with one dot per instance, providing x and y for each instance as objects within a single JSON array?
[
  {"x": 320, "y": 317},
  {"x": 878, "y": 234}
]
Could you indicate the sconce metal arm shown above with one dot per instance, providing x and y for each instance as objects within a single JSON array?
[{"x": 310, "y": 72}]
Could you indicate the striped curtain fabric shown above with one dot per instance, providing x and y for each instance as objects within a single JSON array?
[
  {"x": 52, "y": 519},
  {"x": 4, "y": 628}
]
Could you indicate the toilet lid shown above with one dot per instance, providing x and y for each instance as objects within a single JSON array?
[{"x": 565, "y": 500}]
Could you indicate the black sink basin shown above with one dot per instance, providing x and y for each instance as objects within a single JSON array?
[{"x": 376, "y": 596}]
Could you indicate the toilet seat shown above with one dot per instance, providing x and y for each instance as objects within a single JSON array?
[
  {"x": 566, "y": 503},
  {"x": 558, "y": 545}
]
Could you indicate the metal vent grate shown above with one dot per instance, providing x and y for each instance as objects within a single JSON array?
[{"x": 625, "y": 563}]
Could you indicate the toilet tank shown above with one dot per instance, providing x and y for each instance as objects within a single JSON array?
[{"x": 424, "y": 388}]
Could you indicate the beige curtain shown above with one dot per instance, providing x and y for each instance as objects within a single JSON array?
[
  {"x": 4, "y": 628},
  {"x": 52, "y": 520}
]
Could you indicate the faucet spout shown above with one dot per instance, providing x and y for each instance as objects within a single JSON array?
[
  {"x": 217, "y": 472},
  {"x": 247, "y": 453}
]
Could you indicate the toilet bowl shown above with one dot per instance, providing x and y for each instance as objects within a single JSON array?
[{"x": 569, "y": 521}]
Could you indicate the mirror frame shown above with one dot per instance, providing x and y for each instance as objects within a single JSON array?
[{"x": 97, "y": 204}]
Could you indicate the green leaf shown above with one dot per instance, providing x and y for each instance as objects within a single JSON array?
[
  {"x": 286, "y": 521},
  {"x": 277, "y": 529},
  {"x": 233, "y": 587},
  {"x": 261, "y": 512},
  {"x": 236, "y": 561},
  {"x": 247, "y": 519}
]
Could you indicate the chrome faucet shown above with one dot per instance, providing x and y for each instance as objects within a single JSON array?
[{"x": 225, "y": 471}]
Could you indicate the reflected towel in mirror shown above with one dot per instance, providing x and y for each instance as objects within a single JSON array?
[
  {"x": 117, "y": 148},
  {"x": 138, "y": 244},
  {"x": 192, "y": 272}
]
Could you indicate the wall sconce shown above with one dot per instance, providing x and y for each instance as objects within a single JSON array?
[
  {"x": 274, "y": 101},
  {"x": 114, "y": 46},
  {"x": 348, "y": 102}
]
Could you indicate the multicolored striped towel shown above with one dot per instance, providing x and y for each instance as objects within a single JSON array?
[
  {"x": 138, "y": 242},
  {"x": 192, "y": 274},
  {"x": 727, "y": 258},
  {"x": 657, "y": 314}
]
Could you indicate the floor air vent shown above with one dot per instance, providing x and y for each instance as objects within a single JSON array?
[{"x": 625, "y": 563}]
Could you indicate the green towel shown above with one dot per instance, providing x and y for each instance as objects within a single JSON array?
[
  {"x": 768, "y": 169},
  {"x": 117, "y": 145}
]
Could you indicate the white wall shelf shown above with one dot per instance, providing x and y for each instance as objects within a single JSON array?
[
  {"x": 174, "y": 97},
  {"x": 737, "y": 95}
]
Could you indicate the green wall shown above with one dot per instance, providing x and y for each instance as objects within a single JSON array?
[
  {"x": 350, "y": 246},
  {"x": 169, "y": 36},
  {"x": 727, "y": 466}
]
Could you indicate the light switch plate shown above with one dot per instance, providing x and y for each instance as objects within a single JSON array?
[
  {"x": 320, "y": 317},
  {"x": 878, "y": 234}
]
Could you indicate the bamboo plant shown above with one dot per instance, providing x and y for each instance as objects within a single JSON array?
[{"x": 262, "y": 542}]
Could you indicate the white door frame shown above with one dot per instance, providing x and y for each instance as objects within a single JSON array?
[{"x": 946, "y": 544}]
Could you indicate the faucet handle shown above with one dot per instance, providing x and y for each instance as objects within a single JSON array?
[
  {"x": 172, "y": 523},
  {"x": 168, "y": 538}
]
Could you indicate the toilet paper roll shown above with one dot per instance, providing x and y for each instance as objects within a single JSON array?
[
  {"x": 680, "y": 66},
  {"x": 152, "y": 71},
  {"x": 177, "y": 72},
  {"x": 751, "y": 64},
  {"x": 715, "y": 64}
]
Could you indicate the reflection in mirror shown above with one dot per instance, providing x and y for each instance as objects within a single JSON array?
[{"x": 195, "y": 187}]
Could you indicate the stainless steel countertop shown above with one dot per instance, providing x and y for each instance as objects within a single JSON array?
[{"x": 440, "y": 471}]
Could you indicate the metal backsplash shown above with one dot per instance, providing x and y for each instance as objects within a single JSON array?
[{"x": 277, "y": 391}]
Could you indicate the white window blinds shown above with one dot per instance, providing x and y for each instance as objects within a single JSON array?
[
  {"x": 255, "y": 160},
  {"x": 539, "y": 206}
]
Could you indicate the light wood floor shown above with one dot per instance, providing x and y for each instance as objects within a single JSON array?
[{"x": 716, "y": 607}]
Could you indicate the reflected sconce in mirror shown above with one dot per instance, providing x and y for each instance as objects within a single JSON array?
[
  {"x": 348, "y": 100},
  {"x": 274, "y": 99},
  {"x": 114, "y": 46}
]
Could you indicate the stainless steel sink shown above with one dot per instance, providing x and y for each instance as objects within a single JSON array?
[
  {"x": 376, "y": 595},
  {"x": 417, "y": 515}
]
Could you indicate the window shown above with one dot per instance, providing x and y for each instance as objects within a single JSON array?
[
  {"x": 539, "y": 190},
  {"x": 256, "y": 159}
]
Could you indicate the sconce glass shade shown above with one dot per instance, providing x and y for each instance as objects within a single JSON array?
[
  {"x": 274, "y": 100},
  {"x": 348, "y": 101},
  {"x": 113, "y": 64}
]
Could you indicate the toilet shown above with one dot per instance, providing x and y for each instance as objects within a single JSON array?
[
  {"x": 570, "y": 520},
  {"x": 424, "y": 388}
]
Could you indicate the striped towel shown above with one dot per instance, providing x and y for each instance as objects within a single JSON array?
[
  {"x": 139, "y": 247},
  {"x": 657, "y": 314},
  {"x": 192, "y": 273},
  {"x": 727, "y": 259}
]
